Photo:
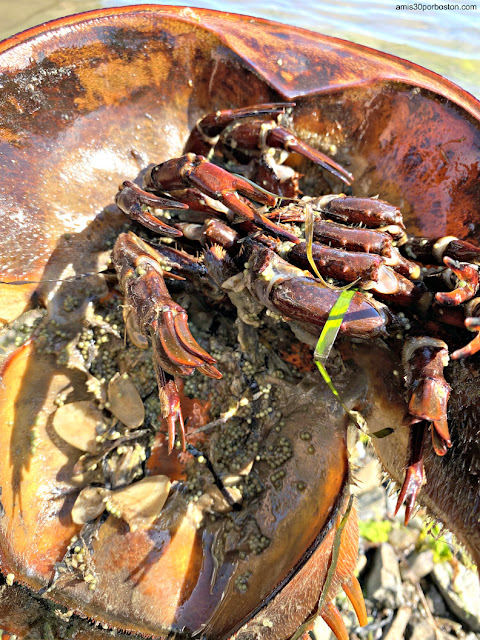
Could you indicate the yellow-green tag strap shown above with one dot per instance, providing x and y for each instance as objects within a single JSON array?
[
  {"x": 332, "y": 326},
  {"x": 309, "y": 220},
  {"x": 328, "y": 337}
]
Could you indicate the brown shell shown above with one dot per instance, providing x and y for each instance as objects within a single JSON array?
[{"x": 89, "y": 100}]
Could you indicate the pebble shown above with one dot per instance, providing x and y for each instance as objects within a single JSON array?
[
  {"x": 399, "y": 624},
  {"x": 322, "y": 630},
  {"x": 421, "y": 564},
  {"x": 436, "y": 602},
  {"x": 384, "y": 584},
  {"x": 423, "y": 631},
  {"x": 462, "y": 596}
]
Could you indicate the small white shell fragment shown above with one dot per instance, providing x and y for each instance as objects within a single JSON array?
[
  {"x": 125, "y": 401},
  {"x": 196, "y": 510},
  {"x": 141, "y": 503},
  {"x": 90, "y": 503},
  {"x": 219, "y": 502},
  {"x": 76, "y": 423}
]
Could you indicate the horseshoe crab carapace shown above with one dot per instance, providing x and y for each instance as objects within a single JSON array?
[{"x": 92, "y": 99}]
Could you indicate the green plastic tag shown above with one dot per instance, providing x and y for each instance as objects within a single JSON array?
[{"x": 328, "y": 337}]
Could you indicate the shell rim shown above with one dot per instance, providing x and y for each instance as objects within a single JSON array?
[{"x": 429, "y": 80}]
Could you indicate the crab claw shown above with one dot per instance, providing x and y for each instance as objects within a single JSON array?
[
  {"x": 156, "y": 314},
  {"x": 353, "y": 591},
  {"x": 217, "y": 183},
  {"x": 414, "y": 479},
  {"x": 332, "y": 617},
  {"x": 272, "y": 135},
  {"x": 468, "y": 284},
  {"x": 424, "y": 359},
  {"x": 175, "y": 348},
  {"x": 172, "y": 412},
  {"x": 134, "y": 202},
  {"x": 473, "y": 324},
  {"x": 163, "y": 320},
  {"x": 261, "y": 136},
  {"x": 415, "y": 473},
  {"x": 205, "y": 134}
]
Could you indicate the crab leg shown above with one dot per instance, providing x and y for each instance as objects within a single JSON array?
[
  {"x": 232, "y": 191},
  {"x": 181, "y": 265},
  {"x": 134, "y": 202},
  {"x": 261, "y": 136},
  {"x": 433, "y": 250},
  {"x": 285, "y": 289},
  {"x": 473, "y": 324},
  {"x": 367, "y": 241},
  {"x": 468, "y": 284},
  {"x": 342, "y": 236},
  {"x": 353, "y": 238},
  {"x": 466, "y": 316},
  {"x": 170, "y": 407},
  {"x": 371, "y": 212},
  {"x": 160, "y": 318},
  {"x": 368, "y": 269},
  {"x": 206, "y": 132},
  {"x": 178, "y": 264},
  {"x": 348, "y": 238},
  {"x": 424, "y": 360},
  {"x": 414, "y": 473}
]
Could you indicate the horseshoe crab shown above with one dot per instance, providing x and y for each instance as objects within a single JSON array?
[{"x": 90, "y": 99}]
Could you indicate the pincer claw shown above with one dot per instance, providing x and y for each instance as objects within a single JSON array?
[
  {"x": 171, "y": 412},
  {"x": 414, "y": 479},
  {"x": 467, "y": 286},
  {"x": 278, "y": 137},
  {"x": 157, "y": 316},
  {"x": 206, "y": 132},
  {"x": 473, "y": 324},
  {"x": 134, "y": 202},
  {"x": 424, "y": 360},
  {"x": 217, "y": 183},
  {"x": 332, "y": 617},
  {"x": 415, "y": 472}
]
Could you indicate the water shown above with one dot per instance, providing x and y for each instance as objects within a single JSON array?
[{"x": 445, "y": 41}]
